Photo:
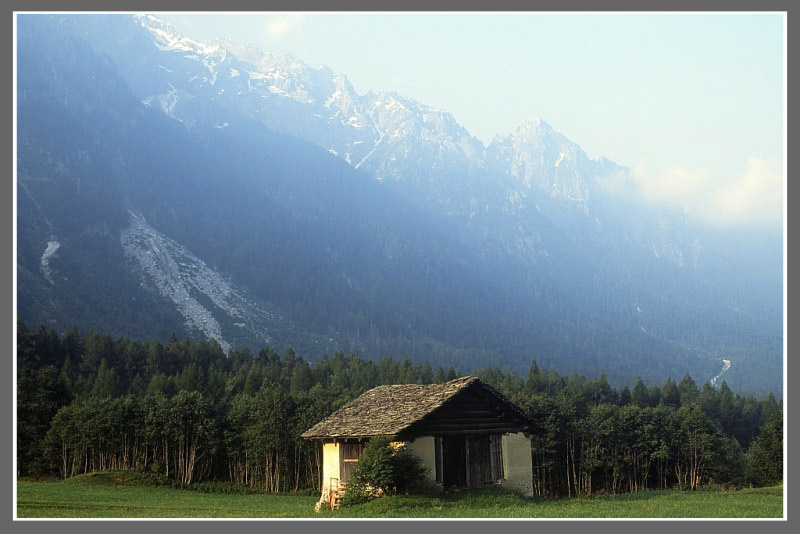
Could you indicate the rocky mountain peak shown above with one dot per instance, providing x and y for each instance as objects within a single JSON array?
[{"x": 390, "y": 135}]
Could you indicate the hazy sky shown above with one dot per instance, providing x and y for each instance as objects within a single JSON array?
[{"x": 692, "y": 103}]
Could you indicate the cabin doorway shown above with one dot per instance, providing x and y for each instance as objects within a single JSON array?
[
  {"x": 470, "y": 461},
  {"x": 454, "y": 462}
]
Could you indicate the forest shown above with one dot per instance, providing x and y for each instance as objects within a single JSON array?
[{"x": 188, "y": 413}]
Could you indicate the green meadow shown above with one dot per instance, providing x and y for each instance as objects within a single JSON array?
[
  {"x": 761, "y": 502},
  {"x": 116, "y": 495}
]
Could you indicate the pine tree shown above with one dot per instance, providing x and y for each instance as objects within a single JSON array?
[
  {"x": 625, "y": 396},
  {"x": 639, "y": 396},
  {"x": 688, "y": 390},
  {"x": 670, "y": 395}
]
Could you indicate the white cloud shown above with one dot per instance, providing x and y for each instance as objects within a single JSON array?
[
  {"x": 753, "y": 199},
  {"x": 280, "y": 25},
  {"x": 756, "y": 197},
  {"x": 673, "y": 185}
]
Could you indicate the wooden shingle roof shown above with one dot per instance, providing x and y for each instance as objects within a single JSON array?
[{"x": 388, "y": 410}]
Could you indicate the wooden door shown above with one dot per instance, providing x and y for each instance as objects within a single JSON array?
[
  {"x": 349, "y": 454},
  {"x": 479, "y": 460}
]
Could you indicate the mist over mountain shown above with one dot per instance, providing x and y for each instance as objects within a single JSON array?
[{"x": 214, "y": 190}]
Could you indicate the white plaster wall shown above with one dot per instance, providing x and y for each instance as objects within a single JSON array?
[
  {"x": 425, "y": 448},
  {"x": 330, "y": 464},
  {"x": 517, "y": 463}
]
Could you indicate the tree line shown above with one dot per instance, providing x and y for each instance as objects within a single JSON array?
[{"x": 187, "y": 411}]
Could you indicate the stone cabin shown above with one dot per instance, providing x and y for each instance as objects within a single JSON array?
[{"x": 466, "y": 433}]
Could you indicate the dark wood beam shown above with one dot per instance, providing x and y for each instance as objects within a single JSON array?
[
  {"x": 477, "y": 432},
  {"x": 465, "y": 421},
  {"x": 464, "y": 414},
  {"x": 474, "y": 426}
]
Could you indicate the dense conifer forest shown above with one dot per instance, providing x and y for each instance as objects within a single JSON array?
[{"x": 189, "y": 413}]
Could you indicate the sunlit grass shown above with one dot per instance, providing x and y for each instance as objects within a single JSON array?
[{"x": 108, "y": 495}]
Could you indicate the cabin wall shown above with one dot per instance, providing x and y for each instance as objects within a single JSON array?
[
  {"x": 330, "y": 465},
  {"x": 517, "y": 463},
  {"x": 424, "y": 448},
  {"x": 474, "y": 412}
]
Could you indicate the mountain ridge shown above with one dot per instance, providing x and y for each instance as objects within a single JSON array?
[{"x": 431, "y": 252}]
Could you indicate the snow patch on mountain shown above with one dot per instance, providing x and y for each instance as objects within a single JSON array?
[
  {"x": 167, "y": 101},
  {"x": 49, "y": 254},
  {"x": 168, "y": 39}
]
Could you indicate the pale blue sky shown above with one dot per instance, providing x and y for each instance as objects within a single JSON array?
[{"x": 693, "y": 103}]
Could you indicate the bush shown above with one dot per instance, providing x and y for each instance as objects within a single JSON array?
[
  {"x": 358, "y": 493},
  {"x": 383, "y": 469}
]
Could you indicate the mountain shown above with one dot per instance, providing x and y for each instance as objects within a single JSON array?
[{"x": 212, "y": 189}]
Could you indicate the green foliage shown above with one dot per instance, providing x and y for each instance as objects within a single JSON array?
[
  {"x": 105, "y": 385},
  {"x": 670, "y": 394},
  {"x": 383, "y": 469},
  {"x": 729, "y": 467},
  {"x": 765, "y": 457},
  {"x": 639, "y": 396}
]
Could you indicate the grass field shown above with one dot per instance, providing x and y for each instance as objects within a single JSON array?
[
  {"x": 761, "y": 502},
  {"x": 116, "y": 495}
]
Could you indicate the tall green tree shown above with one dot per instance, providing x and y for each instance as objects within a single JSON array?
[
  {"x": 639, "y": 395},
  {"x": 765, "y": 457},
  {"x": 670, "y": 394}
]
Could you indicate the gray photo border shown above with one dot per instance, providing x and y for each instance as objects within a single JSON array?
[{"x": 363, "y": 5}]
